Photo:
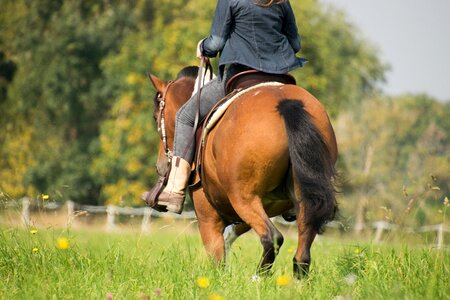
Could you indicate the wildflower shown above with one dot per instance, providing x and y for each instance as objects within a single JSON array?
[
  {"x": 63, "y": 244},
  {"x": 356, "y": 251},
  {"x": 158, "y": 292},
  {"x": 255, "y": 278},
  {"x": 109, "y": 296},
  {"x": 203, "y": 282},
  {"x": 35, "y": 250},
  {"x": 283, "y": 280},
  {"x": 45, "y": 197},
  {"x": 215, "y": 297},
  {"x": 33, "y": 231}
]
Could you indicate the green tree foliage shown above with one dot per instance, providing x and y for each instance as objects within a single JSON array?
[
  {"x": 60, "y": 89},
  {"x": 395, "y": 153}
]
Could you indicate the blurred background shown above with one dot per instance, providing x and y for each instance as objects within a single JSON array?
[{"x": 76, "y": 106}]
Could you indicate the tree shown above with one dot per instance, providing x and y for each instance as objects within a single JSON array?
[
  {"x": 60, "y": 89},
  {"x": 392, "y": 148}
]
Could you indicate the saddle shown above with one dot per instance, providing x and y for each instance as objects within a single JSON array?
[
  {"x": 250, "y": 78},
  {"x": 236, "y": 84}
]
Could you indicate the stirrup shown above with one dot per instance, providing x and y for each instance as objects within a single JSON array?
[{"x": 151, "y": 197}]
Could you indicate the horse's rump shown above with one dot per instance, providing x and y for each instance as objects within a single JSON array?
[{"x": 255, "y": 146}]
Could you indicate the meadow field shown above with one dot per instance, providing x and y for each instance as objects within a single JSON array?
[{"x": 170, "y": 263}]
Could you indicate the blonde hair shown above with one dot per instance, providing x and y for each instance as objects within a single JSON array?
[{"x": 268, "y": 2}]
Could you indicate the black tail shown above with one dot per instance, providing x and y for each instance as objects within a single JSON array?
[{"x": 312, "y": 164}]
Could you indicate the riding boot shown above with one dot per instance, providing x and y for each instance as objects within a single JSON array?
[{"x": 173, "y": 195}]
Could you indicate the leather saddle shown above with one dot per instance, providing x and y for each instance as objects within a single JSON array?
[{"x": 250, "y": 78}]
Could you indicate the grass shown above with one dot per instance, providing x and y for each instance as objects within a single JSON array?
[{"x": 166, "y": 265}]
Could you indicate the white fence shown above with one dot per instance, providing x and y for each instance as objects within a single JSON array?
[{"x": 112, "y": 211}]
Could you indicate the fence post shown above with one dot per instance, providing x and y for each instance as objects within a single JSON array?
[
  {"x": 146, "y": 219},
  {"x": 111, "y": 214},
  {"x": 26, "y": 211},
  {"x": 70, "y": 212},
  {"x": 440, "y": 236},
  {"x": 378, "y": 232}
]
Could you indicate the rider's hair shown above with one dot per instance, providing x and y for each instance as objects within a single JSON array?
[{"x": 268, "y": 2}]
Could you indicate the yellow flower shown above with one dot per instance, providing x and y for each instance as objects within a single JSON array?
[
  {"x": 33, "y": 231},
  {"x": 45, "y": 197},
  {"x": 357, "y": 251},
  {"x": 215, "y": 297},
  {"x": 34, "y": 250},
  {"x": 63, "y": 244},
  {"x": 283, "y": 280},
  {"x": 203, "y": 282}
]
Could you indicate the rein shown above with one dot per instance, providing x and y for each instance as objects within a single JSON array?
[{"x": 204, "y": 65}]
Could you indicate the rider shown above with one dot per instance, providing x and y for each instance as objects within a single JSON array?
[{"x": 249, "y": 34}]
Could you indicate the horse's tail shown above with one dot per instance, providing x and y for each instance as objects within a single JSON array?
[{"x": 312, "y": 165}]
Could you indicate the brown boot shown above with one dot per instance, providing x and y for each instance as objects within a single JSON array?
[{"x": 172, "y": 197}]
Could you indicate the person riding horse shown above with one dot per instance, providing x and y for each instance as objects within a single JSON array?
[{"x": 257, "y": 35}]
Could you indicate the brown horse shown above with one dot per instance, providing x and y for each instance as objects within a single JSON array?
[{"x": 272, "y": 152}]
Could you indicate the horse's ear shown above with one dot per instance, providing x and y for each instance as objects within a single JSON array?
[{"x": 159, "y": 84}]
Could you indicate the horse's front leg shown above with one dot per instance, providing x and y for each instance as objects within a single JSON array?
[
  {"x": 306, "y": 235},
  {"x": 210, "y": 225}
]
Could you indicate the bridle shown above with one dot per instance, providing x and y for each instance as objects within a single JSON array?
[{"x": 160, "y": 121}]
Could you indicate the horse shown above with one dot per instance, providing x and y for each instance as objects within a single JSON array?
[{"x": 273, "y": 152}]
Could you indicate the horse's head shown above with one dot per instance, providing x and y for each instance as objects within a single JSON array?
[{"x": 170, "y": 96}]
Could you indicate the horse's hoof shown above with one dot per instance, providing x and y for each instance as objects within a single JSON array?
[
  {"x": 290, "y": 215},
  {"x": 301, "y": 270}
]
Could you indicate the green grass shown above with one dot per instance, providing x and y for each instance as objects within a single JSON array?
[{"x": 135, "y": 266}]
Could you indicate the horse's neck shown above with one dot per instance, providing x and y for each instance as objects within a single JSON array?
[{"x": 183, "y": 91}]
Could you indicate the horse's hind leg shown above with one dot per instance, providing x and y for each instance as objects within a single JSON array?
[
  {"x": 251, "y": 211},
  {"x": 210, "y": 226},
  {"x": 306, "y": 235}
]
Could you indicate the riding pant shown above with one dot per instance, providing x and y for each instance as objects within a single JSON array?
[{"x": 211, "y": 93}]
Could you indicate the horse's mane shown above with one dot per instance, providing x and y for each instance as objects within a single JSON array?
[{"x": 190, "y": 71}]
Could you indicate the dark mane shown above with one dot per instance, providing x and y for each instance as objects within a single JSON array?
[{"x": 190, "y": 71}]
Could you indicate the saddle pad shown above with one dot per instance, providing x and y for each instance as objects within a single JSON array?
[{"x": 215, "y": 117}]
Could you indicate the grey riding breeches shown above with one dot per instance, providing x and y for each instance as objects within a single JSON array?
[{"x": 184, "y": 145}]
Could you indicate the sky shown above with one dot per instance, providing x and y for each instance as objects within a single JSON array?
[{"x": 413, "y": 37}]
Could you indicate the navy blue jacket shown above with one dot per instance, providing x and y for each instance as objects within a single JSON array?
[{"x": 262, "y": 38}]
